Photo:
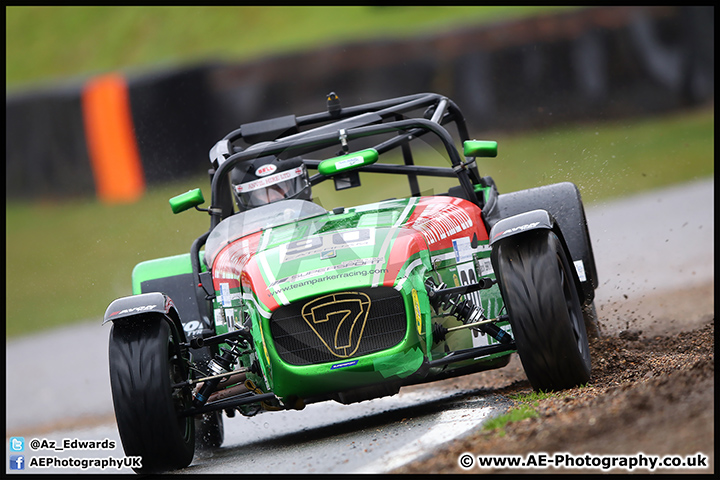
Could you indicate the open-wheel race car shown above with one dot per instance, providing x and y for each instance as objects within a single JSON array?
[{"x": 284, "y": 302}]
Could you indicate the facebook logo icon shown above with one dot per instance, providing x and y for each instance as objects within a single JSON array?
[{"x": 17, "y": 462}]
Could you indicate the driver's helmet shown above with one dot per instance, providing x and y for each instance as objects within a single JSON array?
[{"x": 268, "y": 179}]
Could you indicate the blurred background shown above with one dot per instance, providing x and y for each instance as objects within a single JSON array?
[{"x": 614, "y": 99}]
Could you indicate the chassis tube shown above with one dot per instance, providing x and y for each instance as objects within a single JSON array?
[
  {"x": 328, "y": 139},
  {"x": 459, "y": 355}
]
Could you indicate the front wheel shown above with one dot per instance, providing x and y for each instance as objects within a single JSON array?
[
  {"x": 143, "y": 368},
  {"x": 544, "y": 310}
]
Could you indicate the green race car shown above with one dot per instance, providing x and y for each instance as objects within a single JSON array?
[{"x": 282, "y": 303}]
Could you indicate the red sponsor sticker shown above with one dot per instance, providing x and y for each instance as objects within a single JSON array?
[{"x": 265, "y": 170}]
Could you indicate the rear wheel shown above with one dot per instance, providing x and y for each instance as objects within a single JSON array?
[
  {"x": 143, "y": 368},
  {"x": 544, "y": 309}
]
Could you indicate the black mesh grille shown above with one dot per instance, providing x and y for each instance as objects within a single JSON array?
[{"x": 338, "y": 326}]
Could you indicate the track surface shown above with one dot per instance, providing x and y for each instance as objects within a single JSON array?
[{"x": 644, "y": 246}]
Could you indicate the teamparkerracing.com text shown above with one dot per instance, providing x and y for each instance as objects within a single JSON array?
[
  {"x": 42, "y": 453},
  {"x": 639, "y": 461}
]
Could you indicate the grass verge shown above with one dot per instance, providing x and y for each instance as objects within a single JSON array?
[
  {"x": 101, "y": 38},
  {"x": 497, "y": 424},
  {"x": 526, "y": 404}
]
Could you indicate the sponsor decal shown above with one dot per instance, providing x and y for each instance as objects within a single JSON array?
[
  {"x": 463, "y": 249},
  {"x": 518, "y": 229},
  {"x": 220, "y": 320},
  {"x": 324, "y": 245},
  {"x": 349, "y": 162},
  {"x": 338, "y": 320},
  {"x": 269, "y": 180},
  {"x": 225, "y": 295},
  {"x": 265, "y": 350},
  {"x": 230, "y": 317},
  {"x": 416, "y": 306},
  {"x": 192, "y": 327},
  {"x": 327, "y": 278},
  {"x": 468, "y": 277},
  {"x": 319, "y": 271},
  {"x": 143, "y": 308},
  {"x": 343, "y": 365},
  {"x": 265, "y": 170},
  {"x": 485, "y": 266},
  {"x": 328, "y": 254},
  {"x": 580, "y": 268}
]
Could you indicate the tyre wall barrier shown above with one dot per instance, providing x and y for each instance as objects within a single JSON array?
[
  {"x": 109, "y": 135},
  {"x": 114, "y": 134}
]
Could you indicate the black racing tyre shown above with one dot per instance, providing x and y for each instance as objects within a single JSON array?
[
  {"x": 209, "y": 430},
  {"x": 143, "y": 367},
  {"x": 544, "y": 310}
]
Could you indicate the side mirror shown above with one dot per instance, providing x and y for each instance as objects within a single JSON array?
[
  {"x": 187, "y": 200},
  {"x": 346, "y": 163},
  {"x": 480, "y": 148}
]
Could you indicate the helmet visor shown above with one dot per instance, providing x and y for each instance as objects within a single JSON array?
[{"x": 272, "y": 188}]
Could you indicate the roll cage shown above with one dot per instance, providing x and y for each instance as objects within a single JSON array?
[{"x": 291, "y": 136}]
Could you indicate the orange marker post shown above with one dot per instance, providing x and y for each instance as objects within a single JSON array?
[{"x": 112, "y": 146}]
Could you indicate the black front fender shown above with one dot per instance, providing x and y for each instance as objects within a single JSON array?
[
  {"x": 520, "y": 223},
  {"x": 145, "y": 307},
  {"x": 563, "y": 203}
]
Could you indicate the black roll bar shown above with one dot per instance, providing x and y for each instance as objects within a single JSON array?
[{"x": 328, "y": 139}]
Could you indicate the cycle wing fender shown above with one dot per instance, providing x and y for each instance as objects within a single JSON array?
[
  {"x": 528, "y": 221},
  {"x": 151, "y": 306},
  {"x": 520, "y": 223}
]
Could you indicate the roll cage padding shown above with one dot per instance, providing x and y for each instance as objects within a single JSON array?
[{"x": 266, "y": 130}]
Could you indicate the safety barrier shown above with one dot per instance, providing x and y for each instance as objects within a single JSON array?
[{"x": 114, "y": 134}]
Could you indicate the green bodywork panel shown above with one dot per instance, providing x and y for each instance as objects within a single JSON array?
[
  {"x": 341, "y": 252},
  {"x": 160, "y": 268}
]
